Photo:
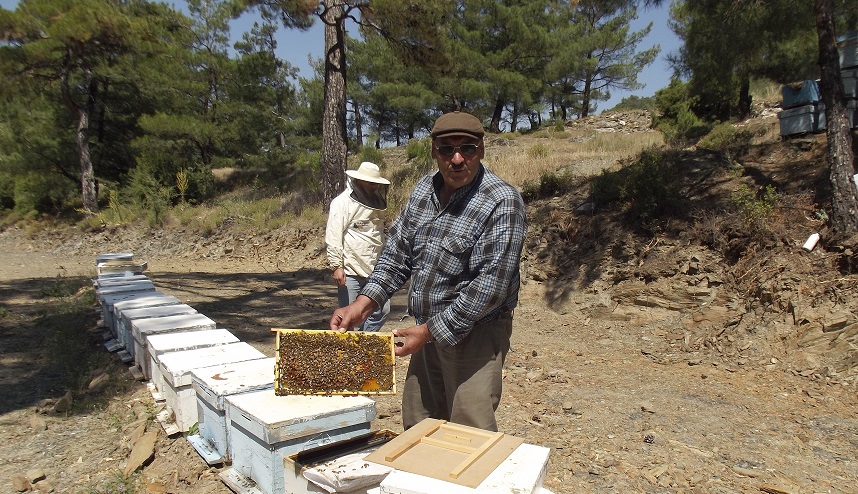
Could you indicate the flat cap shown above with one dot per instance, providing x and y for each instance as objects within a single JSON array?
[{"x": 457, "y": 124}]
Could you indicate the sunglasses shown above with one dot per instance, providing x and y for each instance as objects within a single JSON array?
[{"x": 450, "y": 150}]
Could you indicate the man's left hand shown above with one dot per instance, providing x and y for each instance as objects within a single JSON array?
[{"x": 416, "y": 338}]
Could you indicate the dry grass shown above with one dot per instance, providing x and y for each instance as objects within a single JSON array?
[
  {"x": 516, "y": 158},
  {"x": 582, "y": 153},
  {"x": 519, "y": 159}
]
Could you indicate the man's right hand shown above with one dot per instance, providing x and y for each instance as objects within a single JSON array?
[
  {"x": 353, "y": 315},
  {"x": 340, "y": 277}
]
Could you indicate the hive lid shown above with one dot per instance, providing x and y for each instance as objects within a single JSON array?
[
  {"x": 236, "y": 377},
  {"x": 176, "y": 367},
  {"x": 299, "y": 414},
  {"x": 445, "y": 451}
]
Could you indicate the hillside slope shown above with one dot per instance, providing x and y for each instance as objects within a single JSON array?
[{"x": 697, "y": 350}]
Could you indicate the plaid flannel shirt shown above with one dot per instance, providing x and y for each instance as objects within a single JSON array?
[{"x": 463, "y": 261}]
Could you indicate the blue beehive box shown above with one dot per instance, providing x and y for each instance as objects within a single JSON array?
[
  {"x": 847, "y": 47},
  {"x": 800, "y": 120},
  {"x": 800, "y": 94}
]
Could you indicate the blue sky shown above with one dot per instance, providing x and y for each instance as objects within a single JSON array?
[{"x": 296, "y": 46}]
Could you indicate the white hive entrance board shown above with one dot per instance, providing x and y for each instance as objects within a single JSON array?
[
  {"x": 324, "y": 362},
  {"x": 451, "y": 452}
]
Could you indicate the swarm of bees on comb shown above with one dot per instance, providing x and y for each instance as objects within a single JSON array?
[{"x": 327, "y": 362}]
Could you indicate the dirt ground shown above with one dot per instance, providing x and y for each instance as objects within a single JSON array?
[{"x": 654, "y": 375}]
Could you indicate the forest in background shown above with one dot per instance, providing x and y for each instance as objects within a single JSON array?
[{"x": 109, "y": 103}]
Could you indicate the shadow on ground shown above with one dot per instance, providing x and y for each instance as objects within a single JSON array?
[{"x": 247, "y": 304}]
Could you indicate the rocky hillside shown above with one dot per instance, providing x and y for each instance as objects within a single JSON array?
[{"x": 745, "y": 290}]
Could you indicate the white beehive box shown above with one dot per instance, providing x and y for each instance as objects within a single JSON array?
[
  {"x": 108, "y": 303},
  {"x": 124, "y": 278},
  {"x": 338, "y": 467},
  {"x": 125, "y": 317},
  {"x": 114, "y": 256},
  {"x": 176, "y": 368},
  {"x": 212, "y": 385},
  {"x": 124, "y": 288},
  {"x": 138, "y": 301},
  {"x": 118, "y": 267},
  {"x": 265, "y": 428},
  {"x": 162, "y": 344},
  {"x": 143, "y": 328},
  {"x": 522, "y": 472}
]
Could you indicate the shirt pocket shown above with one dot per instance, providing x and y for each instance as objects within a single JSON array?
[{"x": 456, "y": 254}]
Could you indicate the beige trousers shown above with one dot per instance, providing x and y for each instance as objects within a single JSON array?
[{"x": 461, "y": 384}]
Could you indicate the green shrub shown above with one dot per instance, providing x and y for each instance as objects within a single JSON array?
[
  {"x": 7, "y": 191},
  {"x": 550, "y": 184},
  {"x": 724, "y": 137},
  {"x": 648, "y": 188},
  {"x": 150, "y": 196},
  {"x": 42, "y": 192},
  {"x": 306, "y": 176},
  {"x": 419, "y": 148},
  {"x": 419, "y": 154},
  {"x": 61, "y": 287},
  {"x": 676, "y": 120},
  {"x": 371, "y": 154},
  {"x": 635, "y": 103},
  {"x": 755, "y": 209},
  {"x": 538, "y": 151}
]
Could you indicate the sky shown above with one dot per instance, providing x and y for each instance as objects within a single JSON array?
[{"x": 296, "y": 46}]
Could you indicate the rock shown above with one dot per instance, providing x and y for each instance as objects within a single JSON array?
[
  {"x": 35, "y": 474},
  {"x": 20, "y": 484},
  {"x": 535, "y": 375},
  {"x": 142, "y": 452},
  {"x": 99, "y": 382},
  {"x": 834, "y": 322},
  {"x": 37, "y": 423},
  {"x": 44, "y": 486},
  {"x": 64, "y": 404}
]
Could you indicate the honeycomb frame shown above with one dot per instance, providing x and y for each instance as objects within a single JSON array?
[{"x": 325, "y": 362}]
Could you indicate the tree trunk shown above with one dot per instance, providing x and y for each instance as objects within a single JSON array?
[
  {"x": 513, "y": 118},
  {"x": 358, "y": 124},
  {"x": 840, "y": 155},
  {"x": 87, "y": 175},
  {"x": 494, "y": 126},
  {"x": 334, "y": 139},
  {"x": 745, "y": 98},
  {"x": 585, "y": 98},
  {"x": 89, "y": 197}
]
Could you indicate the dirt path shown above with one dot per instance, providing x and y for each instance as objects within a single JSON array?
[{"x": 619, "y": 413}]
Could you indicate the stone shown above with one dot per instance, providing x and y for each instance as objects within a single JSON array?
[
  {"x": 37, "y": 423},
  {"x": 64, "y": 404},
  {"x": 20, "y": 484},
  {"x": 44, "y": 486},
  {"x": 142, "y": 452},
  {"x": 99, "y": 382},
  {"x": 35, "y": 474}
]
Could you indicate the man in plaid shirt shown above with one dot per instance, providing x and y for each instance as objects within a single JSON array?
[{"x": 459, "y": 239}]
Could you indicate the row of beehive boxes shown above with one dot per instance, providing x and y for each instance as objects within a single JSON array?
[
  {"x": 213, "y": 382},
  {"x": 804, "y": 111}
]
